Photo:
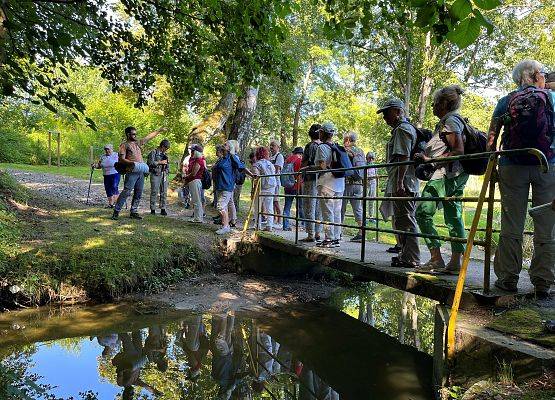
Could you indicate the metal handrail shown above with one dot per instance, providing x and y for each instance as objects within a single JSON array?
[{"x": 364, "y": 228}]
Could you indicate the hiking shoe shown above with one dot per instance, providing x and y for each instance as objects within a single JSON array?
[
  {"x": 325, "y": 243},
  {"x": 336, "y": 243},
  {"x": 163, "y": 212},
  {"x": 308, "y": 239},
  {"x": 135, "y": 215},
  {"x": 317, "y": 238},
  {"x": 395, "y": 249},
  {"x": 153, "y": 212},
  {"x": 224, "y": 230},
  {"x": 357, "y": 238},
  {"x": 431, "y": 266},
  {"x": 115, "y": 215},
  {"x": 505, "y": 287},
  {"x": 397, "y": 263}
]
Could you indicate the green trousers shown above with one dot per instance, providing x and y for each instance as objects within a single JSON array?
[{"x": 452, "y": 210}]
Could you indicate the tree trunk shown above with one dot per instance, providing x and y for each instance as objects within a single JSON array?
[
  {"x": 408, "y": 78},
  {"x": 300, "y": 102},
  {"x": 426, "y": 85},
  {"x": 244, "y": 114},
  {"x": 403, "y": 317},
  {"x": 211, "y": 124},
  {"x": 414, "y": 321}
]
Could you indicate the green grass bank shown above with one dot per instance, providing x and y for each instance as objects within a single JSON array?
[{"x": 50, "y": 251}]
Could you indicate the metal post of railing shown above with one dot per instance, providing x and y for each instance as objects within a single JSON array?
[
  {"x": 489, "y": 229},
  {"x": 363, "y": 227},
  {"x": 376, "y": 209},
  {"x": 299, "y": 187}
]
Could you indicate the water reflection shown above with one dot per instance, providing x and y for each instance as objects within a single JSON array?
[
  {"x": 308, "y": 353},
  {"x": 402, "y": 315}
]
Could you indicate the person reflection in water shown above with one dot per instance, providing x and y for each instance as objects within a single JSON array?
[
  {"x": 128, "y": 363},
  {"x": 228, "y": 363},
  {"x": 194, "y": 342},
  {"x": 110, "y": 343},
  {"x": 156, "y": 346}
]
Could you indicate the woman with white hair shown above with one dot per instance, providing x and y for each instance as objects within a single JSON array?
[
  {"x": 527, "y": 118},
  {"x": 448, "y": 180},
  {"x": 111, "y": 176},
  {"x": 196, "y": 168}
]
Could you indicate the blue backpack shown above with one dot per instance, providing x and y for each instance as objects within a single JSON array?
[{"x": 340, "y": 159}]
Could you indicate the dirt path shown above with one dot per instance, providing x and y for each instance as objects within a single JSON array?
[{"x": 74, "y": 191}]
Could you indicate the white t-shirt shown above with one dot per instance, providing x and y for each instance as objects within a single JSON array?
[
  {"x": 107, "y": 163},
  {"x": 326, "y": 179}
]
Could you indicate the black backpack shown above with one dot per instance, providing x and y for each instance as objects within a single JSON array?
[
  {"x": 475, "y": 141},
  {"x": 423, "y": 136},
  {"x": 206, "y": 179}
]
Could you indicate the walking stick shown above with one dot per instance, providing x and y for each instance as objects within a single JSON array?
[{"x": 90, "y": 181}]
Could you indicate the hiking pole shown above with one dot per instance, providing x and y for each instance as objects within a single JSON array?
[{"x": 90, "y": 181}]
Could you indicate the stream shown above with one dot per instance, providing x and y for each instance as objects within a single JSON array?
[{"x": 373, "y": 342}]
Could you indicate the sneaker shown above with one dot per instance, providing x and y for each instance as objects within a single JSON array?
[
  {"x": 153, "y": 212},
  {"x": 325, "y": 243},
  {"x": 224, "y": 230},
  {"x": 317, "y": 238},
  {"x": 115, "y": 215},
  {"x": 357, "y": 238},
  {"x": 135, "y": 215},
  {"x": 335, "y": 243},
  {"x": 163, "y": 212}
]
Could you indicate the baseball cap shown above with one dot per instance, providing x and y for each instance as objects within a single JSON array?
[
  {"x": 108, "y": 146},
  {"x": 329, "y": 128},
  {"x": 392, "y": 103},
  {"x": 298, "y": 150}
]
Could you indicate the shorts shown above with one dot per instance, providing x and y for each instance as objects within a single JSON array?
[
  {"x": 111, "y": 183},
  {"x": 223, "y": 200}
]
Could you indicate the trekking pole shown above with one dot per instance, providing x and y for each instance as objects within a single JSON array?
[
  {"x": 90, "y": 181},
  {"x": 247, "y": 220}
]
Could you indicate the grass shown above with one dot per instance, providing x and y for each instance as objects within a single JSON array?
[
  {"x": 52, "y": 251},
  {"x": 80, "y": 172}
]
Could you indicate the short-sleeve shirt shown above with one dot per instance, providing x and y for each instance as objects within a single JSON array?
[
  {"x": 403, "y": 139},
  {"x": 309, "y": 154},
  {"x": 326, "y": 179},
  {"x": 371, "y": 174},
  {"x": 132, "y": 150},
  {"x": 436, "y": 146},
  {"x": 295, "y": 159},
  {"x": 107, "y": 164},
  {"x": 201, "y": 162},
  {"x": 278, "y": 160}
]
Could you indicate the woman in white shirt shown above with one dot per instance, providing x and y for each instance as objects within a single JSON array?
[{"x": 111, "y": 176}]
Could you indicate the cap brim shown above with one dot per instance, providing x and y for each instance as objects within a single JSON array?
[{"x": 381, "y": 110}]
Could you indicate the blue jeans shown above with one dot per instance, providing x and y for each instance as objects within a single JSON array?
[
  {"x": 289, "y": 199},
  {"x": 133, "y": 182}
]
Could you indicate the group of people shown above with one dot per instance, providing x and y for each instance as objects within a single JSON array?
[{"x": 306, "y": 171}]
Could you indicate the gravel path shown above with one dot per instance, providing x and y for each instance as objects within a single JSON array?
[{"x": 74, "y": 191}]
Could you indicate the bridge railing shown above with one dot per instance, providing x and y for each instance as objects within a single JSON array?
[{"x": 365, "y": 227}]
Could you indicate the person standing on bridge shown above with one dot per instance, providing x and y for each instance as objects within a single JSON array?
[
  {"x": 448, "y": 180},
  {"x": 310, "y": 205},
  {"x": 329, "y": 187},
  {"x": 526, "y": 116},
  {"x": 130, "y": 152},
  {"x": 353, "y": 184},
  {"x": 402, "y": 181},
  {"x": 158, "y": 164}
]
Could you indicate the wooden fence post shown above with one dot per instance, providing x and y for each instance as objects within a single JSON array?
[
  {"x": 49, "y": 148},
  {"x": 58, "y": 148}
]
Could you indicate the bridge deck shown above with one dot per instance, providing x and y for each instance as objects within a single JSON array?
[{"x": 377, "y": 268}]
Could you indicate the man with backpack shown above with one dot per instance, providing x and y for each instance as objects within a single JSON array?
[
  {"x": 330, "y": 185},
  {"x": 291, "y": 184},
  {"x": 353, "y": 183},
  {"x": 158, "y": 164},
  {"x": 401, "y": 181},
  {"x": 527, "y": 118},
  {"x": 311, "y": 207}
]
